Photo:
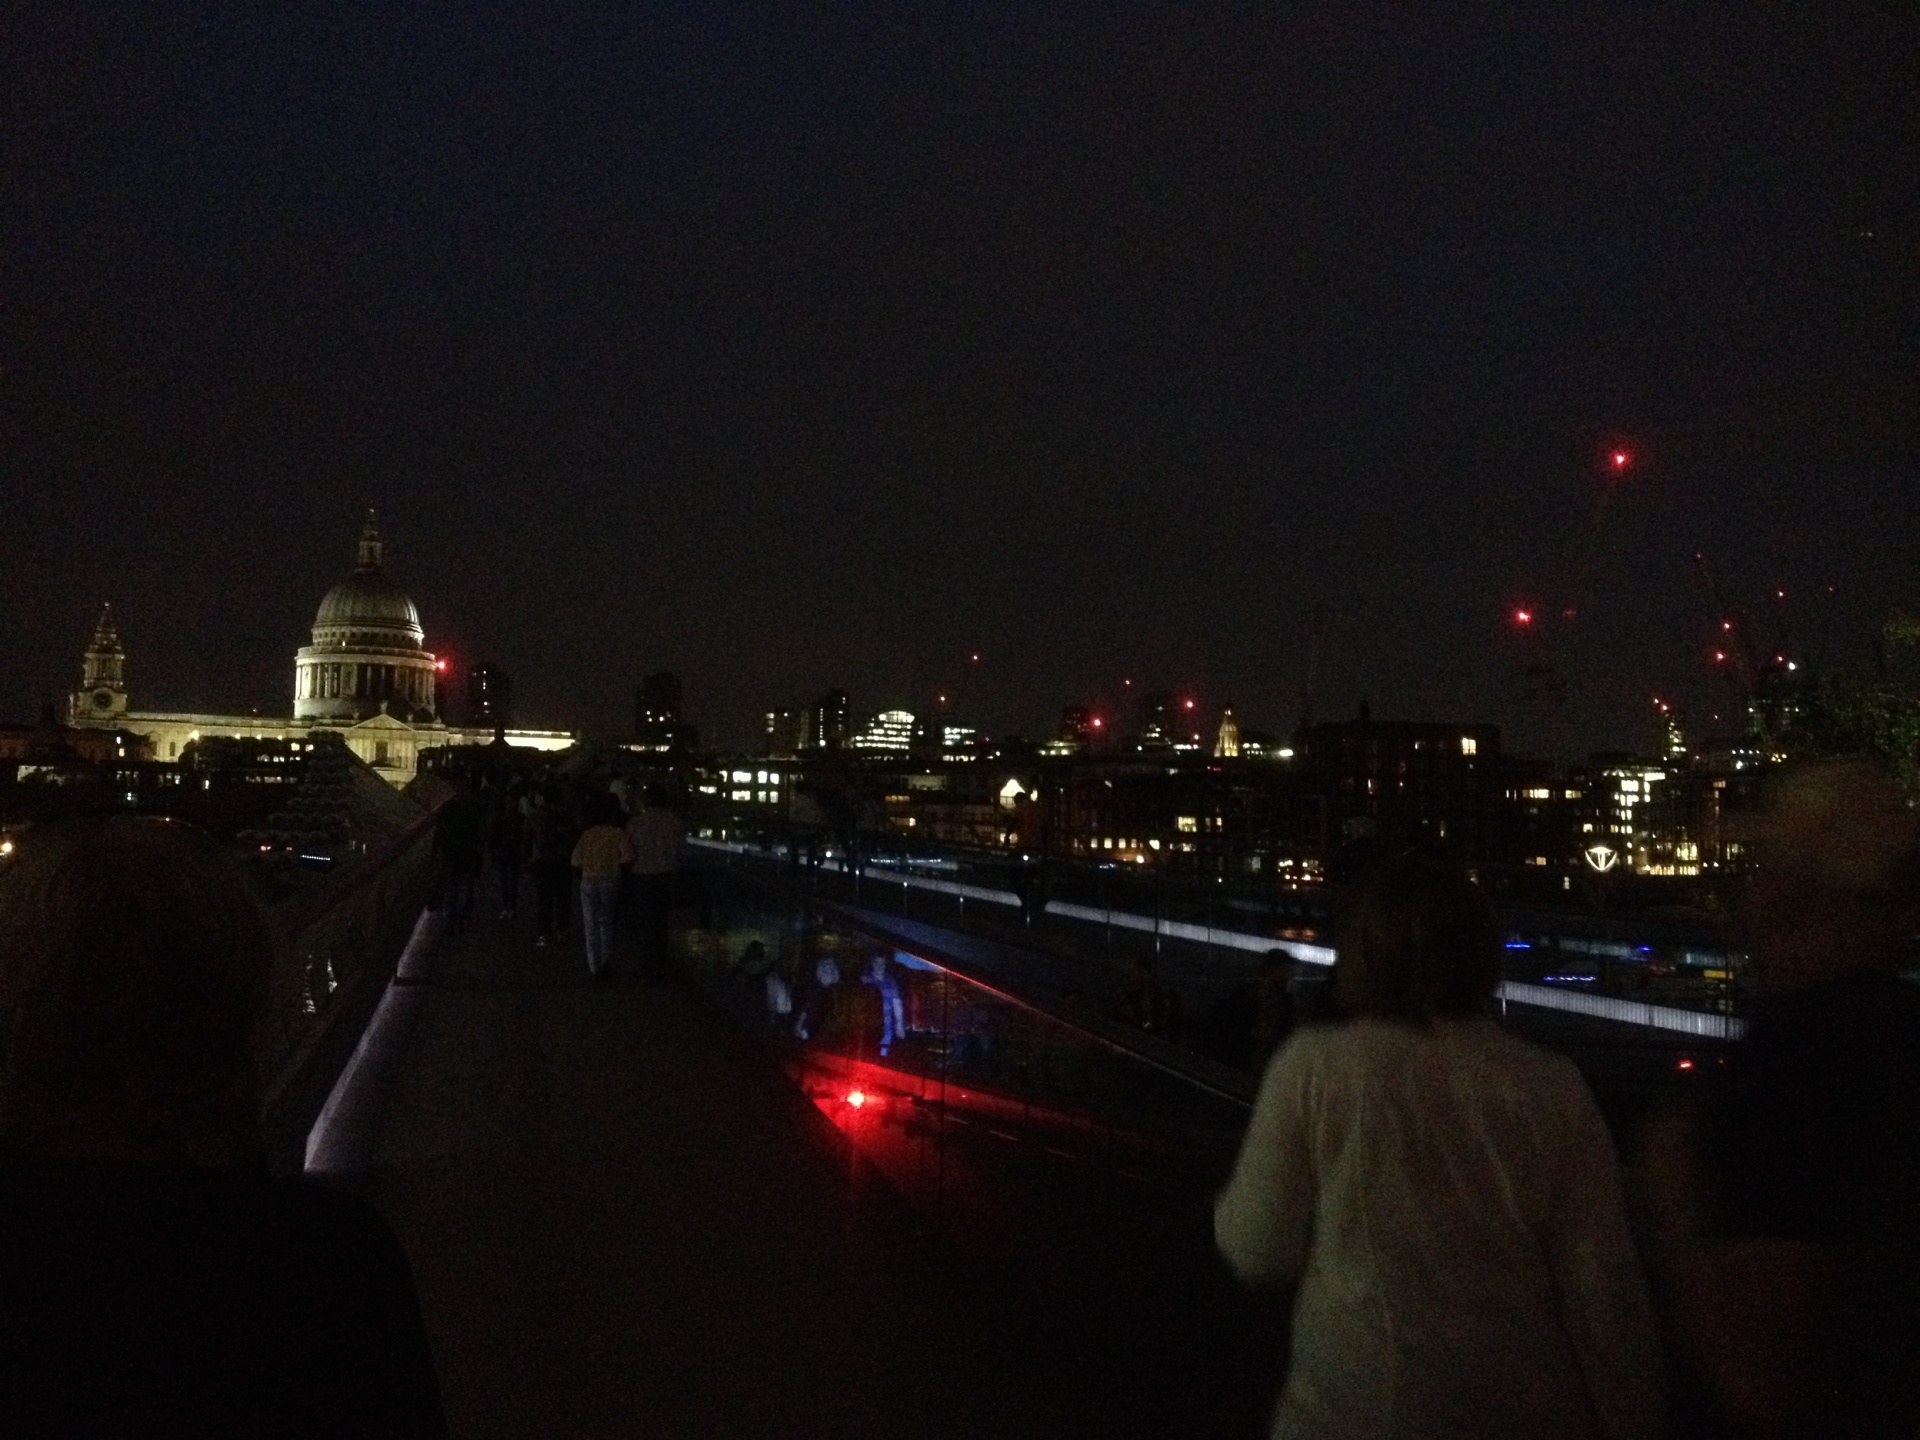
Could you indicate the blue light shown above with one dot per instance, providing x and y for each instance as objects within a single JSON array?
[{"x": 1519, "y": 945}]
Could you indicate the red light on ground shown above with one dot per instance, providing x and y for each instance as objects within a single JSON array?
[
  {"x": 1685, "y": 1065},
  {"x": 856, "y": 1098}
]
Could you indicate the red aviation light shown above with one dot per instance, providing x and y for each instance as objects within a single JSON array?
[
  {"x": 440, "y": 665},
  {"x": 1619, "y": 460},
  {"x": 1523, "y": 617}
]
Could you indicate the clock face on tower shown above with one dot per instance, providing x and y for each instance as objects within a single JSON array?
[{"x": 103, "y": 699}]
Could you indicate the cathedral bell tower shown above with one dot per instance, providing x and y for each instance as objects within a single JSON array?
[{"x": 102, "y": 696}]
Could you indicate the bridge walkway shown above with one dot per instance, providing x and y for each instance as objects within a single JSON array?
[{"x": 623, "y": 1221}]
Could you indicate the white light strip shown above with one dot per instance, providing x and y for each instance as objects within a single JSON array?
[
  {"x": 1542, "y": 997},
  {"x": 1200, "y": 934},
  {"x": 1625, "y": 1012}
]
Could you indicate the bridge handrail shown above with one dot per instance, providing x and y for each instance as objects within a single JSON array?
[{"x": 336, "y": 949}]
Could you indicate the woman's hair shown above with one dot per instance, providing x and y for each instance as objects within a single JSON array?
[
  {"x": 1416, "y": 939},
  {"x": 134, "y": 963}
]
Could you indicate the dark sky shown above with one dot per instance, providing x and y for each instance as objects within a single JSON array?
[{"x": 799, "y": 345}]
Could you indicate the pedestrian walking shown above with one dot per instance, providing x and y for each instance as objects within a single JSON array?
[
  {"x": 1442, "y": 1198},
  {"x": 507, "y": 845},
  {"x": 654, "y": 835},
  {"x": 457, "y": 847},
  {"x": 599, "y": 854},
  {"x": 550, "y": 837}
]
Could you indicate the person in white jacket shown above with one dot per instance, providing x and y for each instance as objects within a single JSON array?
[{"x": 1443, "y": 1197}]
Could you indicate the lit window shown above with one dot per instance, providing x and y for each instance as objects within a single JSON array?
[
  {"x": 1469, "y": 745},
  {"x": 1187, "y": 823}
]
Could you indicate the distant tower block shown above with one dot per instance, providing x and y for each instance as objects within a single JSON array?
[
  {"x": 1226, "y": 745},
  {"x": 103, "y": 674},
  {"x": 489, "y": 697}
]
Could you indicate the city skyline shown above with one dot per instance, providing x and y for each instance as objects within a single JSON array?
[{"x": 1107, "y": 346}]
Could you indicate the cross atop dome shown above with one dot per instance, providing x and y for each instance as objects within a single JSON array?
[{"x": 370, "y": 544}]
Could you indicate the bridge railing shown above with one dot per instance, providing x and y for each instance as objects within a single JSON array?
[{"x": 337, "y": 946}]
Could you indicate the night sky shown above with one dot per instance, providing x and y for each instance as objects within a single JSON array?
[{"x": 801, "y": 345}]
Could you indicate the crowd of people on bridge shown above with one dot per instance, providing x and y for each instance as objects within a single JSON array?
[
  {"x": 614, "y": 846},
  {"x": 1465, "y": 1251}
]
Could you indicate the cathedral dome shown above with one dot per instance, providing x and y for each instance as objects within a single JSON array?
[
  {"x": 368, "y": 655},
  {"x": 368, "y": 600},
  {"x": 367, "y": 604}
]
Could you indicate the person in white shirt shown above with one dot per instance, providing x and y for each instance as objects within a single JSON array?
[
  {"x": 1443, "y": 1198},
  {"x": 655, "y": 833}
]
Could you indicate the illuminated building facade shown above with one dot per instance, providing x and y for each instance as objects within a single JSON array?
[
  {"x": 657, "y": 726},
  {"x": 368, "y": 655},
  {"x": 1226, "y": 744},
  {"x": 827, "y": 723},
  {"x": 366, "y": 675},
  {"x": 890, "y": 730}
]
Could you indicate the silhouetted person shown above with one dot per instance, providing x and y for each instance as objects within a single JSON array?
[
  {"x": 1785, "y": 1212},
  {"x": 550, "y": 837},
  {"x": 1146, "y": 1003},
  {"x": 1245, "y": 1026},
  {"x": 815, "y": 1002},
  {"x": 153, "y": 1279},
  {"x": 459, "y": 835},
  {"x": 1443, "y": 1198},
  {"x": 654, "y": 833},
  {"x": 507, "y": 844}
]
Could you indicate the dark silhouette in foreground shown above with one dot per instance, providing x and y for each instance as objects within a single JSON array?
[
  {"x": 1783, "y": 1214},
  {"x": 153, "y": 1279}
]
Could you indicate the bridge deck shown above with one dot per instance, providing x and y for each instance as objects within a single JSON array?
[{"x": 623, "y": 1221}]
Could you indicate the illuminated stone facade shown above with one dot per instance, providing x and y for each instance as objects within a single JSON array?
[{"x": 367, "y": 675}]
